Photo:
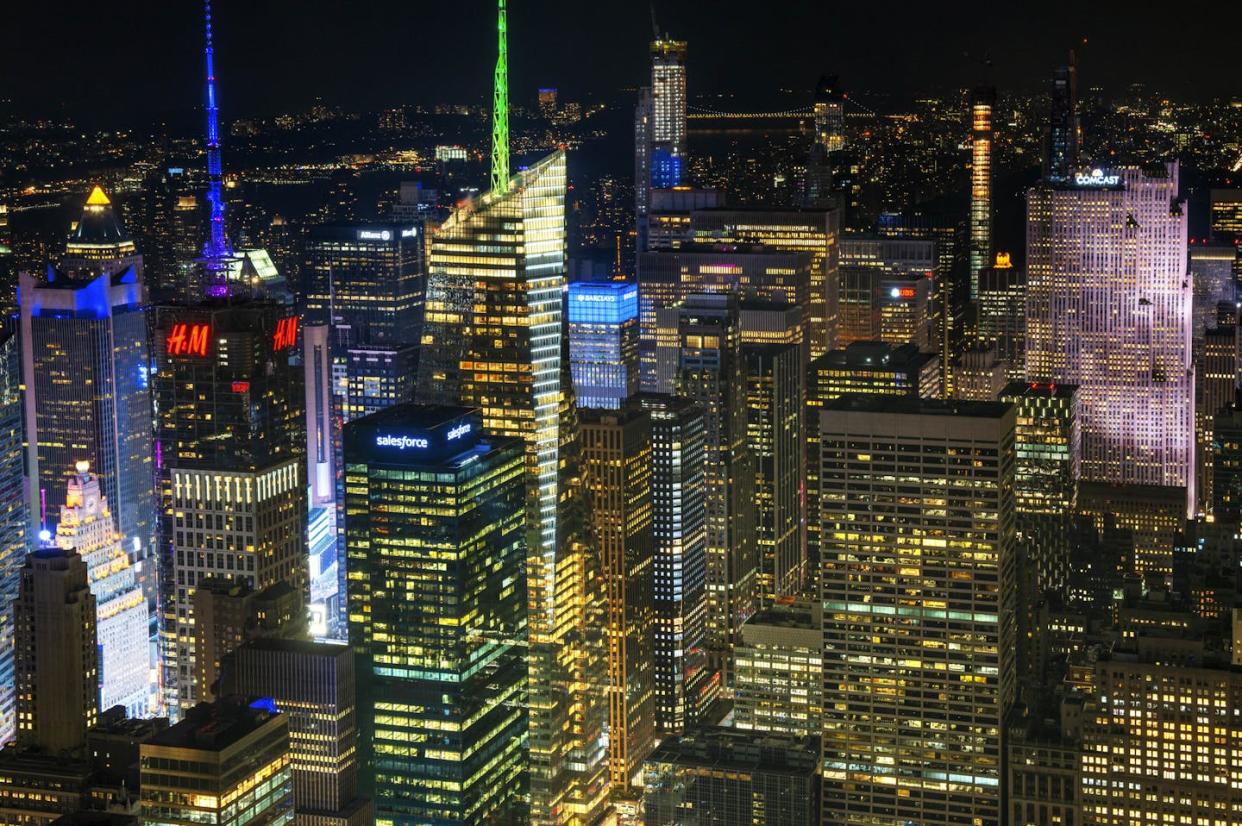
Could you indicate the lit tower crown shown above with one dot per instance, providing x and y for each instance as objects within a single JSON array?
[
  {"x": 500, "y": 106},
  {"x": 217, "y": 246}
]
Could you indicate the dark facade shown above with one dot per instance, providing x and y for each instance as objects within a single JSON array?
[
  {"x": 435, "y": 520},
  {"x": 313, "y": 685},
  {"x": 725, "y": 777},
  {"x": 368, "y": 278},
  {"x": 57, "y": 659},
  {"x": 230, "y": 451}
]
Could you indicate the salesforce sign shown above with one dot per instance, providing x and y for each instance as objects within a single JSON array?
[
  {"x": 401, "y": 442},
  {"x": 1096, "y": 177}
]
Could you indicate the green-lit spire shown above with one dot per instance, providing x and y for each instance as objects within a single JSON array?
[{"x": 500, "y": 110}]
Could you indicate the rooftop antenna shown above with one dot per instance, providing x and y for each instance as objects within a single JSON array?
[
  {"x": 217, "y": 247},
  {"x": 500, "y": 107}
]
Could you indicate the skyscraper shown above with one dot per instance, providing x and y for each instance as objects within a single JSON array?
[
  {"x": 323, "y": 465},
  {"x": 98, "y": 243},
  {"x": 863, "y": 368},
  {"x": 982, "y": 106},
  {"x": 1001, "y": 314},
  {"x": 643, "y": 123},
  {"x": 874, "y": 368},
  {"x": 1062, "y": 138},
  {"x": 372, "y": 377},
  {"x": 779, "y": 681},
  {"x": 232, "y": 471},
  {"x": 15, "y": 528},
  {"x": 1216, "y": 387},
  {"x": 228, "y": 613},
  {"x": 1110, "y": 313},
  {"x": 775, "y": 404},
  {"x": 617, "y": 469},
  {"x": 86, "y": 369},
  {"x": 1046, "y": 474},
  {"x": 312, "y": 684},
  {"x": 885, "y": 291},
  {"x": 926, "y": 566},
  {"x": 951, "y": 290},
  {"x": 659, "y": 130},
  {"x": 1226, "y": 214},
  {"x": 366, "y": 281},
  {"x": 57, "y": 661},
  {"x": 603, "y": 342},
  {"x": 671, "y": 276},
  {"x": 711, "y": 373},
  {"x": 812, "y": 231},
  {"x": 684, "y": 684},
  {"x": 1160, "y": 738},
  {"x": 829, "y": 112},
  {"x": 497, "y": 276},
  {"x": 227, "y": 763},
  {"x": 734, "y": 777},
  {"x": 668, "y": 107},
  {"x": 123, "y": 617},
  {"x": 436, "y": 532}
]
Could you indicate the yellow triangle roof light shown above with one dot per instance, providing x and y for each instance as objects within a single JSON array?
[{"x": 97, "y": 197}]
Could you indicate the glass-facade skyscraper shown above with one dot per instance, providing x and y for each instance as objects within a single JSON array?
[
  {"x": 603, "y": 342},
  {"x": 668, "y": 106},
  {"x": 493, "y": 340},
  {"x": 86, "y": 369},
  {"x": 1063, "y": 136},
  {"x": 435, "y": 531},
  {"x": 368, "y": 279},
  {"x": 15, "y": 528}
]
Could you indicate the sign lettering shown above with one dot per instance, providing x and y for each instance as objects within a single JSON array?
[
  {"x": 286, "y": 334},
  {"x": 188, "y": 340},
  {"x": 400, "y": 442},
  {"x": 1096, "y": 178}
]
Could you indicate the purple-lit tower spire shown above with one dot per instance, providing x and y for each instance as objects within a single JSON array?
[{"x": 217, "y": 247}]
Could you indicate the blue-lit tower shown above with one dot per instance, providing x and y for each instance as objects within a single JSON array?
[
  {"x": 603, "y": 342},
  {"x": 216, "y": 250}
]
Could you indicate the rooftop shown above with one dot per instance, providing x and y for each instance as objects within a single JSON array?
[
  {"x": 1022, "y": 389},
  {"x": 216, "y": 726},
  {"x": 875, "y": 354},
  {"x": 921, "y": 407},
  {"x": 99, "y": 224}
]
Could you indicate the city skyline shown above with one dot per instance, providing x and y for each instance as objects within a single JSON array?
[
  {"x": 923, "y": 49},
  {"x": 655, "y": 459}
]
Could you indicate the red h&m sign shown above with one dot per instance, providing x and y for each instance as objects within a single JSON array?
[
  {"x": 286, "y": 334},
  {"x": 188, "y": 340}
]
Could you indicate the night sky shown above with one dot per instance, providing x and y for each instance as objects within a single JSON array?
[{"x": 123, "y": 62}]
